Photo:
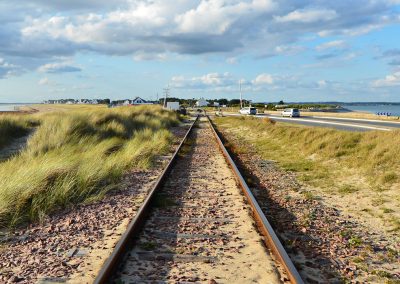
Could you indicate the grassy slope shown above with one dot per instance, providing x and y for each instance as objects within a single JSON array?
[
  {"x": 79, "y": 154},
  {"x": 12, "y": 127},
  {"x": 338, "y": 163}
]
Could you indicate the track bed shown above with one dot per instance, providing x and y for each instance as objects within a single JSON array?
[{"x": 199, "y": 228}]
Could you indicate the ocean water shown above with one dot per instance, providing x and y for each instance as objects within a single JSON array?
[
  {"x": 394, "y": 110},
  {"x": 9, "y": 107}
]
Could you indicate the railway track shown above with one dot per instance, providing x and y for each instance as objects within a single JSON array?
[{"x": 195, "y": 227}]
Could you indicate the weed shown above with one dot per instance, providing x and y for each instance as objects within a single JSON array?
[
  {"x": 382, "y": 273},
  {"x": 387, "y": 210},
  {"x": 355, "y": 241},
  {"x": 389, "y": 178},
  {"x": 308, "y": 195},
  {"x": 346, "y": 189}
]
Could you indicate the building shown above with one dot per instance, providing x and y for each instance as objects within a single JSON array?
[
  {"x": 136, "y": 101},
  {"x": 172, "y": 106},
  {"x": 201, "y": 103}
]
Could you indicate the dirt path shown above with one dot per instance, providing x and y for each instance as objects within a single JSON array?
[{"x": 201, "y": 230}]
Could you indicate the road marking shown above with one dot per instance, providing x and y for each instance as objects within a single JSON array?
[
  {"x": 327, "y": 122},
  {"x": 357, "y": 119}
]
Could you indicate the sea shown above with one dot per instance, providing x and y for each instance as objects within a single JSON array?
[
  {"x": 393, "y": 110},
  {"x": 10, "y": 107}
]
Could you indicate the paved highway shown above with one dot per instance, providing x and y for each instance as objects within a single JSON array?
[{"x": 348, "y": 124}]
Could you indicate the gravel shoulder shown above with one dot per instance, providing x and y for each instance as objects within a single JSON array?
[
  {"x": 327, "y": 244},
  {"x": 71, "y": 246}
]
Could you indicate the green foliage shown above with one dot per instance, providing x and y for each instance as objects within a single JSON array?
[{"x": 77, "y": 155}]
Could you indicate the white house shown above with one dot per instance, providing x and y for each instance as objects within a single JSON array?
[
  {"x": 201, "y": 103},
  {"x": 136, "y": 101},
  {"x": 173, "y": 105}
]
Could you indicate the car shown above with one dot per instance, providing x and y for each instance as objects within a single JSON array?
[
  {"x": 248, "y": 110},
  {"x": 291, "y": 112}
]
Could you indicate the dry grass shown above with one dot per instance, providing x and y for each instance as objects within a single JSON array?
[
  {"x": 79, "y": 155},
  {"x": 342, "y": 165},
  {"x": 12, "y": 127}
]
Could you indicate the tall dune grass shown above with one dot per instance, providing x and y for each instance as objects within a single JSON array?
[
  {"x": 12, "y": 127},
  {"x": 78, "y": 155}
]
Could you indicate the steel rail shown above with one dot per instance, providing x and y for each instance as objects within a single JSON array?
[
  {"x": 112, "y": 262},
  {"x": 271, "y": 239}
]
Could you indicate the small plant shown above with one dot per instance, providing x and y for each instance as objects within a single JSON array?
[
  {"x": 387, "y": 210},
  {"x": 308, "y": 195},
  {"x": 389, "y": 178},
  {"x": 355, "y": 241},
  {"x": 347, "y": 189}
]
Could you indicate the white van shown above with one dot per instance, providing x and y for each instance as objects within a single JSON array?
[{"x": 291, "y": 112}]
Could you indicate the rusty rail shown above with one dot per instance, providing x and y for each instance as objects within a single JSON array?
[
  {"x": 265, "y": 228},
  {"x": 127, "y": 240}
]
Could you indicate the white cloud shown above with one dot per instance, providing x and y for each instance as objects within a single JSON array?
[
  {"x": 232, "y": 60},
  {"x": 216, "y": 16},
  {"x": 389, "y": 81},
  {"x": 63, "y": 67},
  {"x": 7, "y": 69},
  {"x": 145, "y": 56},
  {"x": 308, "y": 16},
  {"x": 263, "y": 78},
  {"x": 44, "y": 81},
  {"x": 337, "y": 44}
]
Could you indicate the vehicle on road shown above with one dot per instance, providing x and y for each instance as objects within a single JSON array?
[
  {"x": 291, "y": 112},
  {"x": 248, "y": 110}
]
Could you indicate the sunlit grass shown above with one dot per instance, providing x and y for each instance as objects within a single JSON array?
[
  {"x": 76, "y": 155},
  {"x": 317, "y": 152}
]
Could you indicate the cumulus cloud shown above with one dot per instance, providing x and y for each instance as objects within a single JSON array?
[
  {"x": 308, "y": 16},
  {"x": 390, "y": 80},
  {"x": 136, "y": 27},
  {"x": 58, "y": 68},
  {"x": 263, "y": 79},
  {"x": 211, "y": 80}
]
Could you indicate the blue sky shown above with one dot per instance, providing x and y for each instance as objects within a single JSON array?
[{"x": 295, "y": 50}]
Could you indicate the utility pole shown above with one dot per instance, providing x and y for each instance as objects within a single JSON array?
[
  {"x": 157, "y": 99},
  {"x": 166, "y": 92},
  {"x": 240, "y": 88}
]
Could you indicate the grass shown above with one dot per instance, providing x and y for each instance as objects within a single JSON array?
[
  {"x": 316, "y": 153},
  {"x": 77, "y": 155},
  {"x": 12, "y": 127}
]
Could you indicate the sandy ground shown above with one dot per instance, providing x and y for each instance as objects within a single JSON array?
[
  {"x": 211, "y": 226},
  {"x": 332, "y": 235}
]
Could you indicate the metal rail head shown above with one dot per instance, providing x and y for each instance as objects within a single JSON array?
[
  {"x": 264, "y": 226},
  {"x": 112, "y": 262}
]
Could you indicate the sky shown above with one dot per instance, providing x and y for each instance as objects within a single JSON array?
[{"x": 291, "y": 50}]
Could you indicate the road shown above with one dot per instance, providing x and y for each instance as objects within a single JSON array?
[{"x": 348, "y": 124}]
